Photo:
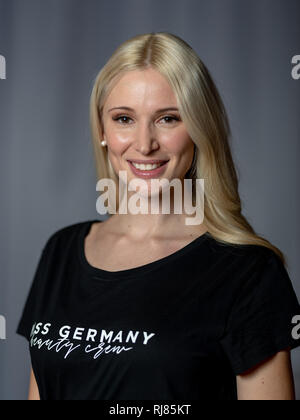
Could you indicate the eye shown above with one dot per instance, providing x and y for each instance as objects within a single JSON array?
[
  {"x": 170, "y": 117},
  {"x": 123, "y": 119},
  {"x": 118, "y": 117}
]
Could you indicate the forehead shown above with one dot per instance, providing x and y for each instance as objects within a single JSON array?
[{"x": 145, "y": 87}]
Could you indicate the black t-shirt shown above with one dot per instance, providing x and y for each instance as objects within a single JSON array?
[{"x": 179, "y": 328}]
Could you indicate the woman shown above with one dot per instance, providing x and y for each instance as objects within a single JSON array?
[{"x": 146, "y": 306}]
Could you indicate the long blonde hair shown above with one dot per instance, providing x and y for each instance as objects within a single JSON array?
[{"x": 203, "y": 113}]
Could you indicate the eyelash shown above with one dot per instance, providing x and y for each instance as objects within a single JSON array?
[{"x": 125, "y": 116}]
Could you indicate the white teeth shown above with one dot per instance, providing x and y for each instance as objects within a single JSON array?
[{"x": 148, "y": 167}]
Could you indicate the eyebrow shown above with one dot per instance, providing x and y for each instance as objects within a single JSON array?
[{"x": 131, "y": 109}]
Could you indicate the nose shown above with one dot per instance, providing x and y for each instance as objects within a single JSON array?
[{"x": 145, "y": 138}]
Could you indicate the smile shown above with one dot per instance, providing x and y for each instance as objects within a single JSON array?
[
  {"x": 147, "y": 167},
  {"x": 148, "y": 170}
]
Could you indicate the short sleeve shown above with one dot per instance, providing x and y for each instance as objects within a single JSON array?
[
  {"x": 30, "y": 308},
  {"x": 260, "y": 321}
]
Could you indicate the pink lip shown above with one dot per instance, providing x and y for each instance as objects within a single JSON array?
[
  {"x": 148, "y": 174},
  {"x": 146, "y": 161}
]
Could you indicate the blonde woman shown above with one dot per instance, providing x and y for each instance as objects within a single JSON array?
[{"x": 146, "y": 306}]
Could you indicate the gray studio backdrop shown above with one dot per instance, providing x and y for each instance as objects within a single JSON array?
[{"x": 53, "y": 51}]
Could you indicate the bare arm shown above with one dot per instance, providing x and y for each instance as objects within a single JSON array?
[
  {"x": 34, "y": 394},
  {"x": 271, "y": 380}
]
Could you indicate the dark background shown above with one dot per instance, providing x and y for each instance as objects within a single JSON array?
[{"x": 54, "y": 50}]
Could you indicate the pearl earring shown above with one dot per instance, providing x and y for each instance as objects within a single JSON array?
[{"x": 103, "y": 143}]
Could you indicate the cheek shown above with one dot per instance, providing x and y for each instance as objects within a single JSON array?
[
  {"x": 118, "y": 142},
  {"x": 180, "y": 144}
]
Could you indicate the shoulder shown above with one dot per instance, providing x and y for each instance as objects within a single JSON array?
[
  {"x": 253, "y": 264},
  {"x": 248, "y": 255},
  {"x": 66, "y": 235}
]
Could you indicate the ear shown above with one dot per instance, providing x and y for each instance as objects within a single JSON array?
[
  {"x": 101, "y": 132},
  {"x": 100, "y": 124}
]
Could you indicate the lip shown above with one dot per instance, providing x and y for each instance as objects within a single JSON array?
[
  {"x": 145, "y": 162},
  {"x": 148, "y": 174}
]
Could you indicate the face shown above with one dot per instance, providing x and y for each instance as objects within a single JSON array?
[{"x": 151, "y": 130}]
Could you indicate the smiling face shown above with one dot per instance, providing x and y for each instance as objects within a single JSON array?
[{"x": 141, "y": 123}]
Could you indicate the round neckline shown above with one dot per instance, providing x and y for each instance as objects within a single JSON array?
[{"x": 135, "y": 271}]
